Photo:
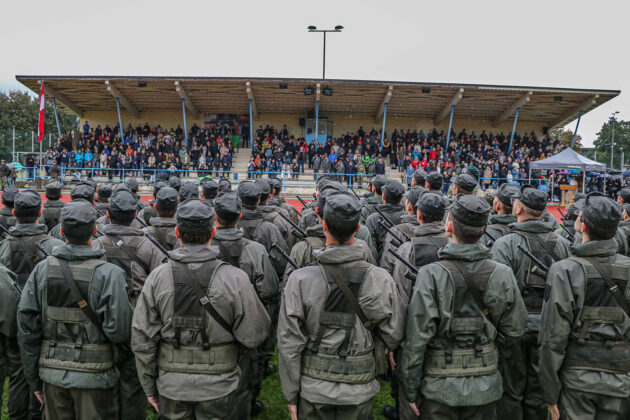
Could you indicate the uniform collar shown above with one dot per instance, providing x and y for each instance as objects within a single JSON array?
[
  {"x": 434, "y": 228},
  {"x": 77, "y": 252},
  {"x": 605, "y": 248},
  {"x": 502, "y": 219},
  {"x": 315, "y": 231},
  {"x": 54, "y": 203},
  {"x": 533, "y": 226},
  {"x": 465, "y": 252},
  {"x": 162, "y": 222},
  {"x": 228, "y": 234},
  {"x": 193, "y": 253},
  {"x": 120, "y": 230},
  {"x": 337, "y": 254},
  {"x": 412, "y": 219},
  {"x": 28, "y": 229}
]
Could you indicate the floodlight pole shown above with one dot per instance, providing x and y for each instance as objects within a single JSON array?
[
  {"x": 612, "y": 140},
  {"x": 383, "y": 131},
  {"x": 251, "y": 128},
  {"x": 317, "y": 121},
  {"x": 185, "y": 128},
  {"x": 338, "y": 28},
  {"x": 120, "y": 129},
  {"x": 448, "y": 134},
  {"x": 576, "y": 129},
  {"x": 513, "y": 129}
]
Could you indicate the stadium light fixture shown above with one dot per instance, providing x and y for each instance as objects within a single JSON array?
[{"x": 312, "y": 28}]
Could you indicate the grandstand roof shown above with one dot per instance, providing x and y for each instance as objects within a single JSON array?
[{"x": 497, "y": 103}]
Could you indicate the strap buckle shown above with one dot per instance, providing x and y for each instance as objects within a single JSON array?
[
  {"x": 204, "y": 300},
  {"x": 119, "y": 243},
  {"x": 448, "y": 356},
  {"x": 82, "y": 303},
  {"x": 343, "y": 353},
  {"x": 478, "y": 350},
  {"x": 205, "y": 345}
]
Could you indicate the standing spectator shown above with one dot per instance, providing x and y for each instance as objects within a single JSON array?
[
  {"x": 86, "y": 128},
  {"x": 379, "y": 169}
]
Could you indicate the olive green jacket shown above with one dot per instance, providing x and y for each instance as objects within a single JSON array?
[
  {"x": 28, "y": 229},
  {"x": 410, "y": 221},
  {"x": 561, "y": 313},
  {"x": 302, "y": 303},
  {"x": 502, "y": 219},
  {"x": 108, "y": 299},
  {"x": 620, "y": 239},
  {"x": 268, "y": 234},
  {"x": 233, "y": 297},
  {"x": 9, "y": 297},
  {"x": 428, "y": 319}
]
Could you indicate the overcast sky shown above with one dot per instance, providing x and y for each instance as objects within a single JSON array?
[{"x": 577, "y": 44}]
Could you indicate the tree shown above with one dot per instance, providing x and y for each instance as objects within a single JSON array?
[
  {"x": 20, "y": 110},
  {"x": 622, "y": 140},
  {"x": 566, "y": 137}
]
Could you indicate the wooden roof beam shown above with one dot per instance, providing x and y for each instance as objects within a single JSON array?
[
  {"x": 512, "y": 109},
  {"x": 184, "y": 95},
  {"x": 569, "y": 116},
  {"x": 447, "y": 108},
  {"x": 50, "y": 92},
  {"x": 381, "y": 107},
  {"x": 250, "y": 95},
  {"x": 113, "y": 90}
]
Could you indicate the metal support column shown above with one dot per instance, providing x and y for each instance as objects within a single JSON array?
[
  {"x": 56, "y": 116},
  {"x": 120, "y": 129},
  {"x": 317, "y": 121},
  {"x": 576, "y": 129},
  {"x": 13, "y": 149},
  {"x": 251, "y": 127},
  {"x": 513, "y": 130},
  {"x": 448, "y": 133},
  {"x": 621, "y": 163},
  {"x": 185, "y": 129},
  {"x": 32, "y": 141},
  {"x": 383, "y": 130}
]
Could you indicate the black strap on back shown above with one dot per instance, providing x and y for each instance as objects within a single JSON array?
[
  {"x": 81, "y": 302},
  {"x": 128, "y": 251},
  {"x": 203, "y": 299},
  {"x": 347, "y": 294},
  {"x": 611, "y": 285},
  {"x": 451, "y": 266}
]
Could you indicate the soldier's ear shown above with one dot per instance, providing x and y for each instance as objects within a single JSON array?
[
  {"x": 95, "y": 230},
  {"x": 13, "y": 213},
  {"x": 40, "y": 213},
  {"x": 108, "y": 216},
  {"x": 358, "y": 227},
  {"x": 214, "y": 230},
  {"x": 177, "y": 235}
]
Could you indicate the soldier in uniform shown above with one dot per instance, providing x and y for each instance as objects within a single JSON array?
[
  {"x": 224, "y": 185},
  {"x": 585, "y": 323},
  {"x": 128, "y": 248},
  {"x": 210, "y": 190},
  {"x": 73, "y": 311},
  {"x": 278, "y": 201},
  {"x": 464, "y": 184},
  {"x": 620, "y": 234},
  {"x": 175, "y": 182},
  {"x": 522, "y": 394},
  {"x": 103, "y": 193},
  {"x": 259, "y": 230},
  {"x": 82, "y": 191},
  {"x": 623, "y": 196},
  {"x": 459, "y": 307},
  {"x": 272, "y": 213},
  {"x": 148, "y": 212},
  {"x": 194, "y": 314},
  {"x": 188, "y": 191},
  {"x": 104, "y": 220},
  {"x": 330, "y": 316},
  {"x": 392, "y": 193},
  {"x": 419, "y": 178},
  {"x": 624, "y": 224},
  {"x": 568, "y": 223},
  {"x": 252, "y": 258},
  {"x": 501, "y": 219},
  {"x": 52, "y": 206},
  {"x": 10, "y": 362},
  {"x": 133, "y": 185},
  {"x": 374, "y": 196},
  {"x": 162, "y": 227},
  {"x": 7, "y": 219}
]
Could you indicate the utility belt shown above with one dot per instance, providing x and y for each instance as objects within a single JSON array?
[
  {"x": 602, "y": 356},
  {"x": 478, "y": 361},
  {"x": 358, "y": 369},
  {"x": 92, "y": 358},
  {"x": 217, "y": 359}
]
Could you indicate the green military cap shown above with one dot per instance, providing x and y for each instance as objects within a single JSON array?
[
  {"x": 600, "y": 210},
  {"x": 263, "y": 186},
  {"x": 342, "y": 207},
  {"x": 123, "y": 201},
  {"x": 167, "y": 198},
  {"x": 431, "y": 204},
  {"x": 188, "y": 191},
  {"x": 91, "y": 183},
  {"x": 435, "y": 179},
  {"x": 27, "y": 199},
  {"x": 78, "y": 218},
  {"x": 466, "y": 182},
  {"x": 224, "y": 185},
  {"x": 532, "y": 197},
  {"x": 158, "y": 185},
  {"x": 120, "y": 187},
  {"x": 133, "y": 185},
  {"x": 82, "y": 190},
  {"x": 379, "y": 181},
  {"x": 8, "y": 195},
  {"x": 194, "y": 216},
  {"x": 470, "y": 210},
  {"x": 53, "y": 189},
  {"x": 579, "y": 204},
  {"x": 506, "y": 193},
  {"x": 276, "y": 185},
  {"x": 414, "y": 193},
  {"x": 249, "y": 193},
  {"x": 474, "y": 171},
  {"x": 174, "y": 182},
  {"x": 324, "y": 179},
  {"x": 104, "y": 191},
  {"x": 228, "y": 205},
  {"x": 329, "y": 188},
  {"x": 209, "y": 187},
  {"x": 625, "y": 194},
  {"x": 420, "y": 176},
  {"x": 393, "y": 190},
  {"x": 579, "y": 195}
]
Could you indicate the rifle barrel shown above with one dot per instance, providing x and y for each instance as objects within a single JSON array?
[
  {"x": 571, "y": 236},
  {"x": 285, "y": 256},
  {"x": 296, "y": 228},
  {"x": 400, "y": 258},
  {"x": 157, "y": 244},
  {"x": 536, "y": 261},
  {"x": 391, "y": 232}
]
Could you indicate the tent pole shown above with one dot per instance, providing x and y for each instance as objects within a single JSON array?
[{"x": 583, "y": 181}]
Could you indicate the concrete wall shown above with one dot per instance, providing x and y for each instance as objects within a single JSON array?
[{"x": 342, "y": 123}]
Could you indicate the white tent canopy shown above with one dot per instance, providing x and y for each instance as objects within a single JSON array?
[{"x": 568, "y": 159}]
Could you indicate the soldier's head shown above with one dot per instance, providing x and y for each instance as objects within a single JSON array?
[
  {"x": 209, "y": 189},
  {"x": 464, "y": 184},
  {"x": 265, "y": 190},
  {"x": 194, "y": 223},
  {"x": 623, "y": 196},
  {"x": 188, "y": 191},
  {"x": 249, "y": 193},
  {"x": 175, "y": 182},
  {"x": 53, "y": 190},
  {"x": 502, "y": 202},
  {"x": 599, "y": 218},
  {"x": 529, "y": 203},
  {"x": 328, "y": 189},
  {"x": 411, "y": 198},
  {"x": 341, "y": 218},
  {"x": 104, "y": 193},
  {"x": 78, "y": 222},
  {"x": 83, "y": 190},
  {"x": 133, "y": 185},
  {"x": 430, "y": 208},
  {"x": 378, "y": 182},
  {"x": 157, "y": 187},
  {"x": 392, "y": 192},
  {"x": 224, "y": 185},
  {"x": 27, "y": 206},
  {"x": 166, "y": 202},
  {"x": 122, "y": 207},
  {"x": 8, "y": 196},
  {"x": 227, "y": 210},
  {"x": 276, "y": 186},
  {"x": 467, "y": 219},
  {"x": 434, "y": 182},
  {"x": 419, "y": 178}
]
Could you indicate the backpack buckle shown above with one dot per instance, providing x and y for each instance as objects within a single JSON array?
[
  {"x": 478, "y": 350},
  {"x": 343, "y": 353},
  {"x": 448, "y": 356}
]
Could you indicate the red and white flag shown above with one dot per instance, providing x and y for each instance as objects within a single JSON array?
[{"x": 40, "y": 127}]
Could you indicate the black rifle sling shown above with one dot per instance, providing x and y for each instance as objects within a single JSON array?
[
  {"x": 611, "y": 285},
  {"x": 203, "y": 299}
]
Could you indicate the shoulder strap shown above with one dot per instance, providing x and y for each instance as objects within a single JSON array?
[
  {"x": 610, "y": 284},
  {"x": 128, "y": 251},
  {"x": 543, "y": 245},
  {"x": 451, "y": 266},
  {"x": 201, "y": 295}
]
